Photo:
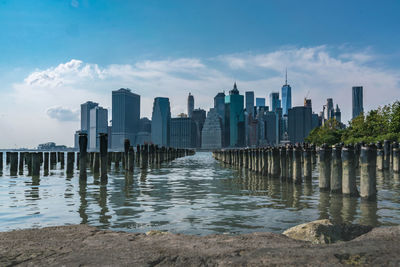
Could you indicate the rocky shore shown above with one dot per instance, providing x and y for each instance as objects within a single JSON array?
[{"x": 82, "y": 245}]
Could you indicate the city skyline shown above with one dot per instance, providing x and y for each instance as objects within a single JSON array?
[{"x": 58, "y": 55}]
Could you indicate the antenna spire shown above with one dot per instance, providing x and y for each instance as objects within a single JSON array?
[{"x": 286, "y": 77}]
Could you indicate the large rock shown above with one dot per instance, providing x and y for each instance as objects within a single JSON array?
[{"x": 325, "y": 232}]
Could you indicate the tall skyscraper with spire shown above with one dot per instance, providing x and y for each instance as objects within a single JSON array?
[
  {"x": 286, "y": 97},
  {"x": 190, "y": 105}
]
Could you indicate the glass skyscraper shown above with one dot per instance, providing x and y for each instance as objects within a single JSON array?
[
  {"x": 234, "y": 118},
  {"x": 85, "y": 117},
  {"x": 160, "y": 121},
  {"x": 358, "y": 106},
  {"x": 286, "y": 98},
  {"x": 125, "y": 117},
  {"x": 98, "y": 124},
  {"x": 250, "y": 103},
  {"x": 274, "y": 101},
  {"x": 260, "y": 102},
  {"x": 190, "y": 105}
]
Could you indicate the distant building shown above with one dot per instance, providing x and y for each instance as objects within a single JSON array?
[
  {"x": 328, "y": 109},
  {"x": 211, "y": 135},
  {"x": 234, "y": 118},
  {"x": 250, "y": 102},
  {"x": 125, "y": 117},
  {"x": 76, "y": 140},
  {"x": 338, "y": 114},
  {"x": 144, "y": 134},
  {"x": 199, "y": 117},
  {"x": 190, "y": 105},
  {"x": 357, "y": 98},
  {"x": 160, "y": 121},
  {"x": 219, "y": 106},
  {"x": 51, "y": 146},
  {"x": 286, "y": 97},
  {"x": 98, "y": 124},
  {"x": 260, "y": 102},
  {"x": 183, "y": 133},
  {"x": 274, "y": 101},
  {"x": 299, "y": 124},
  {"x": 307, "y": 103},
  {"x": 85, "y": 117},
  {"x": 315, "y": 121},
  {"x": 266, "y": 127}
]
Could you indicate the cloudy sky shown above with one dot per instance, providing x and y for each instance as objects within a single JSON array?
[{"x": 58, "y": 54}]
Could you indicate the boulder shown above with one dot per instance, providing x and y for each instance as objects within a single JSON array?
[{"x": 326, "y": 232}]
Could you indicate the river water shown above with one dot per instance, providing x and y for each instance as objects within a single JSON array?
[{"x": 190, "y": 195}]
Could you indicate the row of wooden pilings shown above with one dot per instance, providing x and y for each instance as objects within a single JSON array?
[
  {"x": 98, "y": 162},
  {"x": 337, "y": 164}
]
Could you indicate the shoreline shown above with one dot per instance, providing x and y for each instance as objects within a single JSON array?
[{"x": 74, "y": 245}]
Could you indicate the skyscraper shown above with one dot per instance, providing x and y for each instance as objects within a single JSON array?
[
  {"x": 183, "y": 133},
  {"x": 85, "y": 117},
  {"x": 190, "y": 105},
  {"x": 160, "y": 121},
  {"x": 307, "y": 103},
  {"x": 98, "y": 124},
  {"x": 328, "y": 109},
  {"x": 219, "y": 106},
  {"x": 125, "y": 117},
  {"x": 250, "y": 102},
  {"x": 299, "y": 124},
  {"x": 260, "y": 102},
  {"x": 234, "y": 118},
  {"x": 358, "y": 106},
  {"x": 337, "y": 113},
  {"x": 274, "y": 101},
  {"x": 286, "y": 97},
  {"x": 199, "y": 116},
  {"x": 212, "y": 131}
]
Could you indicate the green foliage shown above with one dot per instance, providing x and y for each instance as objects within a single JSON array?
[{"x": 377, "y": 125}]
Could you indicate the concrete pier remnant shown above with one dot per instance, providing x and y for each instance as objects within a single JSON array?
[
  {"x": 82, "y": 155},
  {"x": 379, "y": 156},
  {"x": 282, "y": 152},
  {"x": 103, "y": 155},
  {"x": 289, "y": 163},
  {"x": 396, "y": 157},
  {"x": 325, "y": 155},
  {"x": 307, "y": 156},
  {"x": 368, "y": 172},
  {"x": 336, "y": 169},
  {"x": 349, "y": 183}
]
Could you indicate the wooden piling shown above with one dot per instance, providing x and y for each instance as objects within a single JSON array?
[{"x": 368, "y": 172}]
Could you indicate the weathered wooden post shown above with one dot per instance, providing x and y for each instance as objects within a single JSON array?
[
  {"x": 349, "y": 185},
  {"x": 307, "y": 156},
  {"x": 13, "y": 163},
  {"x": 8, "y": 158},
  {"x": 396, "y": 157},
  {"x": 103, "y": 156},
  {"x": 82, "y": 155},
  {"x": 21, "y": 163},
  {"x": 144, "y": 157},
  {"x": 325, "y": 155},
  {"x": 53, "y": 160},
  {"x": 96, "y": 163},
  {"x": 1, "y": 163},
  {"x": 46, "y": 163},
  {"x": 368, "y": 172},
  {"x": 314, "y": 154},
  {"x": 62, "y": 160},
  {"x": 283, "y": 161},
  {"x": 131, "y": 159},
  {"x": 289, "y": 163},
  {"x": 70, "y": 163},
  {"x": 117, "y": 160},
  {"x": 297, "y": 179},
  {"x": 379, "y": 156},
  {"x": 336, "y": 169},
  {"x": 386, "y": 154},
  {"x": 357, "y": 152},
  {"x": 28, "y": 160},
  {"x": 35, "y": 164},
  {"x": 275, "y": 163}
]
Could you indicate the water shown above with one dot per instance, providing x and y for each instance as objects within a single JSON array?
[{"x": 191, "y": 195}]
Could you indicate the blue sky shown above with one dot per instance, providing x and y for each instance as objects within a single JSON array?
[{"x": 173, "y": 47}]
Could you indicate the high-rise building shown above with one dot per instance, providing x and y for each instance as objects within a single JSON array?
[
  {"x": 299, "y": 124},
  {"x": 274, "y": 101},
  {"x": 234, "y": 118},
  {"x": 286, "y": 97},
  {"x": 199, "y": 116},
  {"x": 211, "y": 135},
  {"x": 190, "y": 105},
  {"x": 266, "y": 127},
  {"x": 337, "y": 113},
  {"x": 219, "y": 106},
  {"x": 183, "y": 133},
  {"x": 98, "y": 125},
  {"x": 358, "y": 106},
  {"x": 250, "y": 102},
  {"x": 160, "y": 121},
  {"x": 125, "y": 117},
  {"x": 329, "y": 110},
  {"x": 85, "y": 117},
  {"x": 260, "y": 102},
  {"x": 144, "y": 134}
]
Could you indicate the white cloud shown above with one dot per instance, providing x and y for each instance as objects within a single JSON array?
[{"x": 40, "y": 99}]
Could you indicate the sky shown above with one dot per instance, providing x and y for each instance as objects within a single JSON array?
[{"x": 57, "y": 54}]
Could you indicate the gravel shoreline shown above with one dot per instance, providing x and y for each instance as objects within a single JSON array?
[{"x": 82, "y": 245}]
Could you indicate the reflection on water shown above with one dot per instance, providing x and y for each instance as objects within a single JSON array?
[{"x": 195, "y": 195}]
